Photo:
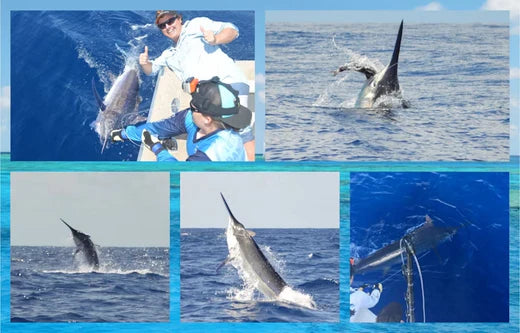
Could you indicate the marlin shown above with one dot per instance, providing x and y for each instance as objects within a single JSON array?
[
  {"x": 241, "y": 243},
  {"x": 381, "y": 83},
  {"x": 424, "y": 238},
  {"x": 119, "y": 108},
  {"x": 84, "y": 245}
]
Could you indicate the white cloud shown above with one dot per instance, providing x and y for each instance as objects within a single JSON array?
[
  {"x": 512, "y": 5},
  {"x": 5, "y": 120},
  {"x": 514, "y": 72},
  {"x": 432, "y": 6},
  {"x": 5, "y": 98},
  {"x": 260, "y": 86},
  {"x": 514, "y": 148}
]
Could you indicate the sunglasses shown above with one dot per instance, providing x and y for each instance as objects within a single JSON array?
[{"x": 170, "y": 21}]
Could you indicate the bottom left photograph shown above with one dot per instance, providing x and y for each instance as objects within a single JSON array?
[{"x": 90, "y": 247}]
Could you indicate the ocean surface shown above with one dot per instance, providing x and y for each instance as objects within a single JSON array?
[
  {"x": 175, "y": 323},
  {"x": 307, "y": 259},
  {"x": 52, "y": 103},
  {"x": 454, "y": 76},
  {"x": 132, "y": 285},
  {"x": 466, "y": 277}
]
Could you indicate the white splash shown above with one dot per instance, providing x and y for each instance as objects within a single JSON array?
[{"x": 292, "y": 296}]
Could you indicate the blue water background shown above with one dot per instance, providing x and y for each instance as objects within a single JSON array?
[
  {"x": 456, "y": 77},
  {"x": 307, "y": 259},
  {"x": 52, "y": 103},
  {"x": 466, "y": 279},
  {"x": 132, "y": 284},
  {"x": 175, "y": 324}
]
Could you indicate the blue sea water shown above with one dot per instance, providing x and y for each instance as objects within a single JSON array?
[
  {"x": 466, "y": 278},
  {"x": 52, "y": 103},
  {"x": 131, "y": 285},
  {"x": 307, "y": 259},
  {"x": 455, "y": 77}
]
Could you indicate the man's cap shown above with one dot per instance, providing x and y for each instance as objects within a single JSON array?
[
  {"x": 161, "y": 13},
  {"x": 218, "y": 99}
]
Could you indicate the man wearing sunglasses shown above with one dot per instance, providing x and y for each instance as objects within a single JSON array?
[
  {"x": 211, "y": 124},
  {"x": 196, "y": 53}
]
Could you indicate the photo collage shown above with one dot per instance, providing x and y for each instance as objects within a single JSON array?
[{"x": 260, "y": 168}]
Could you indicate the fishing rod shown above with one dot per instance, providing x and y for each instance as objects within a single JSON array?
[{"x": 407, "y": 270}]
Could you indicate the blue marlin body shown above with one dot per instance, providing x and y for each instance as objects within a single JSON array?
[
  {"x": 85, "y": 246},
  {"x": 425, "y": 237},
  {"x": 383, "y": 83},
  {"x": 119, "y": 108},
  {"x": 240, "y": 243}
]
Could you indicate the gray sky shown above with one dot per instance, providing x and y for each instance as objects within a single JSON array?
[
  {"x": 389, "y": 16},
  {"x": 115, "y": 209},
  {"x": 260, "y": 199}
]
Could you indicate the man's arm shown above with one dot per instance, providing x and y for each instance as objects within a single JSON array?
[{"x": 226, "y": 35}]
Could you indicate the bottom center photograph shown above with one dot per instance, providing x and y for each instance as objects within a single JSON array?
[{"x": 259, "y": 247}]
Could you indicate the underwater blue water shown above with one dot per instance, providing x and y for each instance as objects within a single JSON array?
[
  {"x": 307, "y": 259},
  {"x": 132, "y": 284},
  {"x": 455, "y": 77},
  {"x": 52, "y": 103},
  {"x": 466, "y": 278}
]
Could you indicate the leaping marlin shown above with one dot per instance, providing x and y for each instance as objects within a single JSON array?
[
  {"x": 84, "y": 245},
  {"x": 240, "y": 243},
  {"x": 422, "y": 239},
  {"x": 381, "y": 83}
]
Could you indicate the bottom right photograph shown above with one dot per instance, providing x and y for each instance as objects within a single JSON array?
[{"x": 429, "y": 247}]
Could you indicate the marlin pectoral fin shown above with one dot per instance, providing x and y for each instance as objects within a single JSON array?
[
  {"x": 99, "y": 100},
  {"x": 368, "y": 71},
  {"x": 227, "y": 260}
]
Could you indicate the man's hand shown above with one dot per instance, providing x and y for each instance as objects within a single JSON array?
[
  {"x": 209, "y": 36},
  {"x": 143, "y": 57}
]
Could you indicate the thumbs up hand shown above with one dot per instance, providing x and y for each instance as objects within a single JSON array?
[
  {"x": 143, "y": 57},
  {"x": 209, "y": 36}
]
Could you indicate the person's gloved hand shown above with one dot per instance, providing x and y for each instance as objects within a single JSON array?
[
  {"x": 379, "y": 287},
  {"x": 154, "y": 146},
  {"x": 117, "y": 135}
]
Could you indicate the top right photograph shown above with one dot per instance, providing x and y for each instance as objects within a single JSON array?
[{"x": 387, "y": 86}]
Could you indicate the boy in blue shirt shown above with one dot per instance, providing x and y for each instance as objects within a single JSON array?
[{"x": 211, "y": 123}]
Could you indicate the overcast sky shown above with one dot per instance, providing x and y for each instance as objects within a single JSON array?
[
  {"x": 389, "y": 16},
  {"x": 114, "y": 208},
  {"x": 260, "y": 199}
]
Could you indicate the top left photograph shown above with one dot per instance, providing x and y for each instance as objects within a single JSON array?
[{"x": 165, "y": 85}]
